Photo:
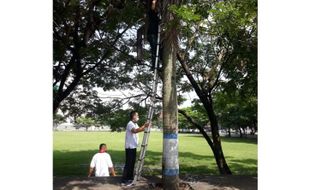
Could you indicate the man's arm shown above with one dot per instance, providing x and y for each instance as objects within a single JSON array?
[
  {"x": 112, "y": 172},
  {"x": 92, "y": 166},
  {"x": 140, "y": 129},
  {"x": 90, "y": 171}
]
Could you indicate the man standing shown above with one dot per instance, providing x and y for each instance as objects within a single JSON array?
[
  {"x": 131, "y": 144},
  {"x": 101, "y": 163}
]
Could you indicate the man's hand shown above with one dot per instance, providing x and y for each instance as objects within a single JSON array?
[
  {"x": 90, "y": 171},
  {"x": 147, "y": 124},
  {"x": 140, "y": 129},
  {"x": 112, "y": 171}
]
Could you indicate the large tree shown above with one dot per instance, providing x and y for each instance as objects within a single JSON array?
[
  {"x": 218, "y": 52},
  {"x": 88, "y": 41}
]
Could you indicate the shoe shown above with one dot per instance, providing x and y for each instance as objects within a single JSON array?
[
  {"x": 130, "y": 183},
  {"x": 124, "y": 182}
]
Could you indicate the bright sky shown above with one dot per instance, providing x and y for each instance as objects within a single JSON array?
[{"x": 109, "y": 95}]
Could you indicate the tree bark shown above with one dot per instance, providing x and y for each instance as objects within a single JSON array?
[
  {"x": 170, "y": 162},
  {"x": 61, "y": 95},
  {"x": 170, "y": 120},
  {"x": 206, "y": 99},
  {"x": 240, "y": 132}
]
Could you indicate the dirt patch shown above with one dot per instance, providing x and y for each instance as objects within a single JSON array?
[{"x": 187, "y": 182}]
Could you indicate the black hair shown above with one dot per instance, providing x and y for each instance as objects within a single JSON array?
[
  {"x": 132, "y": 113},
  {"x": 101, "y": 145}
]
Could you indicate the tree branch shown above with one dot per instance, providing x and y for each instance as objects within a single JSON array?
[
  {"x": 190, "y": 120},
  {"x": 228, "y": 58},
  {"x": 106, "y": 52},
  {"x": 190, "y": 76}
]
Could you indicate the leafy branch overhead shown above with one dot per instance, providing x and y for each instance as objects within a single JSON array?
[{"x": 95, "y": 47}]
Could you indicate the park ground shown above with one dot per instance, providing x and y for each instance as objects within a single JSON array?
[{"x": 73, "y": 152}]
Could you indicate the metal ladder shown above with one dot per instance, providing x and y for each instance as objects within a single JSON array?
[{"x": 146, "y": 134}]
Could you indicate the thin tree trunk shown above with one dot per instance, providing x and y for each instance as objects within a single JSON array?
[
  {"x": 206, "y": 99},
  {"x": 218, "y": 151},
  {"x": 199, "y": 127},
  {"x": 240, "y": 132},
  {"x": 61, "y": 95}
]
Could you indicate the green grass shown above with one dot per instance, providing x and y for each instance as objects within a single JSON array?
[{"x": 73, "y": 152}]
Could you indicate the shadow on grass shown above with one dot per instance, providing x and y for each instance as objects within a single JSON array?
[
  {"x": 187, "y": 161},
  {"x": 239, "y": 140},
  {"x": 76, "y": 163},
  {"x": 229, "y": 139},
  {"x": 243, "y": 166}
]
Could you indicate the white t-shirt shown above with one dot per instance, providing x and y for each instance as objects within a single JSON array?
[
  {"x": 132, "y": 139},
  {"x": 101, "y": 162}
]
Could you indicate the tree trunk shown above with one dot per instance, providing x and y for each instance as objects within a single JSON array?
[
  {"x": 229, "y": 132},
  {"x": 170, "y": 161},
  {"x": 218, "y": 151},
  {"x": 61, "y": 95},
  {"x": 255, "y": 127},
  {"x": 200, "y": 128},
  {"x": 206, "y": 99},
  {"x": 240, "y": 132},
  {"x": 170, "y": 120}
]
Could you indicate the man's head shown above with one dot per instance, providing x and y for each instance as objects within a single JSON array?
[
  {"x": 134, "y": 116},
  {"x": 152, "y": 4},
  {"x": 102, "y": 148}
]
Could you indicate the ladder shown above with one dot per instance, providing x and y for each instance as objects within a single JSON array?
[{"x": 151, "y": 110}]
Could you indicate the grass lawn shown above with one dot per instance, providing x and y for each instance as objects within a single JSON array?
[{"x": 74, "y": 150}]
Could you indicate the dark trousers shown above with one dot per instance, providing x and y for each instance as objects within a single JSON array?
[
  {"x": 152, "y": 38},
  {"x": 129, "y": 164}
]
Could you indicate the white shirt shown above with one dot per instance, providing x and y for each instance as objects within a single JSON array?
[
  {"x": 101, "y": 162},
  {"x": 132, "y": 139}
]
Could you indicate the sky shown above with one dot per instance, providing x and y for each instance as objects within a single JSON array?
[{"x": 109, "y": 95}]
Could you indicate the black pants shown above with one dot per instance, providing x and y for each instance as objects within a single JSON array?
[
  {"x": 129, "y": 164},
  {"x": 152, "y": 39}
]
